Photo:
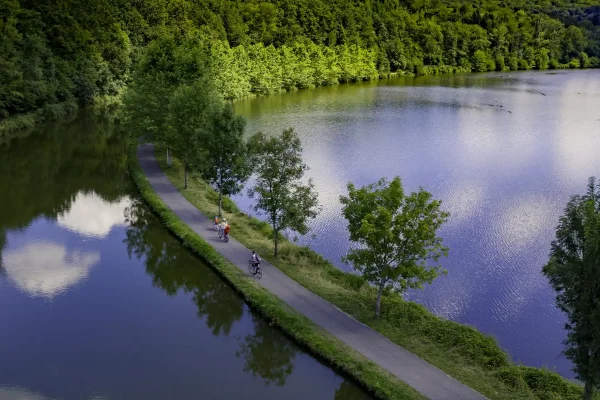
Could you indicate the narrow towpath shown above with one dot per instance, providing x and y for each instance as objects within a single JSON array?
[{"x": 425, "y": 378}]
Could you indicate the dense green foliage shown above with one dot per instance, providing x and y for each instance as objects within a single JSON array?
[
  {"x": 287, "y": 202},
  {"x": 56, "y": 55},
  {"x": 574, "y": 272},
  {"x": 227, "y": 166},
  {"x": 172, "y": 99},
  {"x": 395, "y": 235}
]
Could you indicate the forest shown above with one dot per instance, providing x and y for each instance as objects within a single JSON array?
[{"x": 60, "y": 55}]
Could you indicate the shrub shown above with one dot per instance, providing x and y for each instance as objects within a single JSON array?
[
  {"x": 480, "y": 61},
  {"x": 547, "y": 384},
  {"x": 19, "y": 122},
  {"x": 542, "y": 60},
  {"x": 512, "y": 376},
  {"x": 513, "y": 63},
  {"x": 465, "y": 340},
  {"x": 500, "y": 64},
  {"x": 347, "y": 280},
  {"x": 523, "y": 64},
  {"x": 541, "y": 382},
  {"x": 584, "y": 60},
  {"x": 575, "y": 63},
  {"x": 418, "y": 67}
]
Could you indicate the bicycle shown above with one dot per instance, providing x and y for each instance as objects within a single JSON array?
[
  {"x": 224, "y": 236},
  {"x": 254, "y": 269}
]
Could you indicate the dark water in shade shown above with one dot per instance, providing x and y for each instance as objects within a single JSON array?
[
  {"x": 504, "y": 152},
  {"x": 98, "y": 301}
]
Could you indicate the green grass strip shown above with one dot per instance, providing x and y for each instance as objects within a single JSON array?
[{"x": 319, "y": 342}]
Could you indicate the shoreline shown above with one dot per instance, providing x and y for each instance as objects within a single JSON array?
[{"x": 111, "y": 103}]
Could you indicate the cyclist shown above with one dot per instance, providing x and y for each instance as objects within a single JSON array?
[
  {"x": 216, "y": 221},
  {"x": 255, "y": 259},
  {"x": 222, "y": 225},
  {"x": 226, "y": 230}
]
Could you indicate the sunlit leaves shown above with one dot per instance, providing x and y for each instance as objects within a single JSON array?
[
  {"x": 394, "y": 235},
  {"x": 280, "y": 194}
]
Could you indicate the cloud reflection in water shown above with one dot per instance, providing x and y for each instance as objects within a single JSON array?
[
  {"x": 91, "y": 216},
  {"x": 46, "y": 269}
]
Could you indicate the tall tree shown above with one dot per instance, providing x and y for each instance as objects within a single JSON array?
[
  {"x": 166, "y": 65},
  {"x": 227, "y": 163},
  {"x": 574, "y": 272},
  {"x": 395, "y": 235},
  {"x": 145, "y": 112},
  {"x": 188, "y": 123},
  {"x": 280, "y": 193}
]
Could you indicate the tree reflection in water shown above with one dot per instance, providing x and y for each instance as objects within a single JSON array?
[
  {"x": 44, "y": 172},
  {"x": 349, "y": 391},
  {"x": 268, "y": 354},
  {"x": 2, "y": 243},
  {"x": 174, "y": 268}
]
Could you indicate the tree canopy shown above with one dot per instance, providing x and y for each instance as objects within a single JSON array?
[
  {"x": 227, "y": 165},
  {"x": 395, "y": 235},
  {"x": 173, "y": 98},
  {"x": 574, "y": 272},
  {"x": 286, "y": 201},
  {"x": 57, "y": 55}
]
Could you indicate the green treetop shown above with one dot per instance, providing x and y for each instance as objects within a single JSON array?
[
  {"x": 395, "y": 235},
  {"x": 574, "y": 272}
]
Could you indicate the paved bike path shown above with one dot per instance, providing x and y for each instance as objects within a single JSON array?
[{"x": 422, "y": 376}]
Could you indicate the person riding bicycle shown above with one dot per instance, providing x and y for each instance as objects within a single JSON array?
[
  {"x": 255, "y": 259},
  {"x": 216, "y": 221},
  {"x": 226, "y": 229},
  {"x": 223, "y": 224}
]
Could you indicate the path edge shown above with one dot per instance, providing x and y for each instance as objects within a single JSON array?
[{"x": 304, "y": 332}]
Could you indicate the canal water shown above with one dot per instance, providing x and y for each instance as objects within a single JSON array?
[
  {"x": 99, "y": 301},
  {"x": 503, "y": 151}
]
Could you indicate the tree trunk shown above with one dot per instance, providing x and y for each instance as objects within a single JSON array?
[
  {"x": 168, "y": 157},
  {"x": 379, "y": 292},
  {"x": 588, "y": 393},
  {"x": 220, "y": 201},
  {"x": 185, "y": 175},
  {"x": 276, "y": 240}
]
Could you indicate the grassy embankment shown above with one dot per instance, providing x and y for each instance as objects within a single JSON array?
[
  {"x": 461, "y": 351},
  {"x": 372, "y": 377}
]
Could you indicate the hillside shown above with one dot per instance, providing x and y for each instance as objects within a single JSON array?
[{"x": 57, "y": 55}]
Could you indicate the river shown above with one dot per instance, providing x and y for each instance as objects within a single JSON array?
[
  {"x": 503, "y": 151},
  {"x": 99, "y": 301}
]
